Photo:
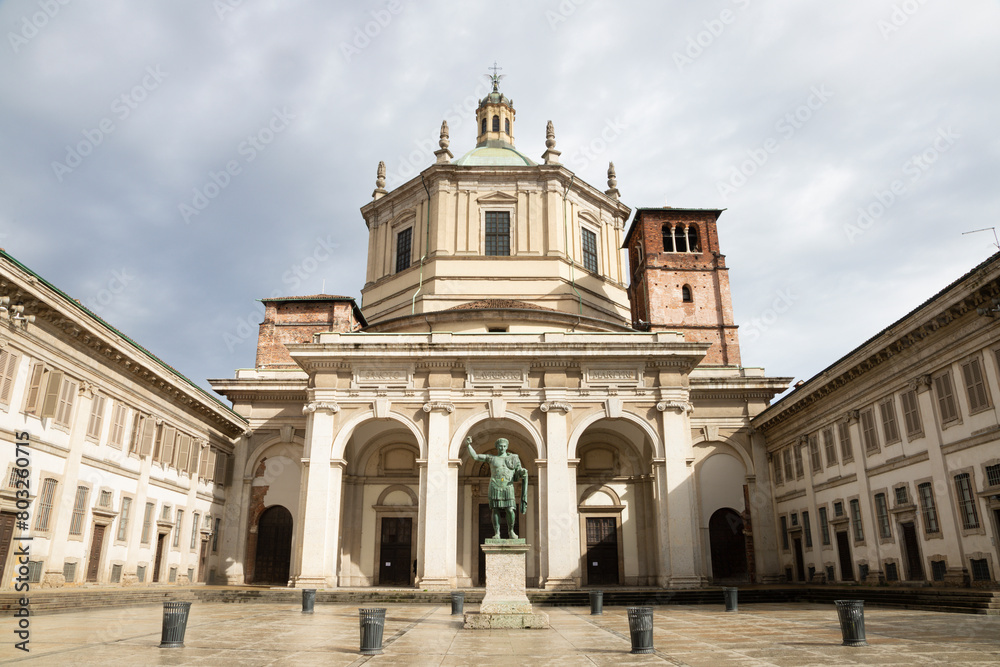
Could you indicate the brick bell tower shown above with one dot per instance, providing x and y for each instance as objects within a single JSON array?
[{"x": 679, "y": 280}]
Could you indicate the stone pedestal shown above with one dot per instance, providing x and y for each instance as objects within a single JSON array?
[{"x": 505, "y": 604}]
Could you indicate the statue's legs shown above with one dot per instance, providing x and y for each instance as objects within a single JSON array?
[
  {"x": 510, "y": 523},
  {"x": 496, "y": 524}
]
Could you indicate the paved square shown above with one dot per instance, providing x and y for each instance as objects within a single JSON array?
[{"x": 227, "y": 635}]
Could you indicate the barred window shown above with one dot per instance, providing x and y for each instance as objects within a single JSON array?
[
  {"x": 911, "y": 414},
  {"x": 844, "y": 435},
  {"x": 589, "y": 242},
  {"x": 215, "y": 535},
  {"x": 980, "y": 569},
  {"x": 498, "y": 233},
  {"x": 177, "y": 528},
  {"x": 869, "y": 436},
  {"x": 966, "y": 501},
  {"x": 887, "y": 410},
  {"x": 194, "y": 531},
  {"x": 882, "y": 513},
  {"x": 45, "y": 499},
  {"x": 975, "y": 386},
  {"x": 993, "y": 475},
  {"x": 404, "y": 249},
  {"x": 938, "y": 569},
  {"x": 829, "y": 446},
  {"x": 946, "y": 397},
  {"x": 891, "y": 572},
  {"x": 79, "y": 511},
  {"x": 928, "y": 508},
  {"x": 859, "y": 531},
  {"x": 902, "y": 496}
]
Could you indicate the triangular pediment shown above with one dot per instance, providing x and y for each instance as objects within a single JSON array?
[{"x": 497, "y": 198}]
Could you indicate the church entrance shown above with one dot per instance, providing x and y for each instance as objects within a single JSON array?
[
  {"x": 728, "y": 544},
  {"x": 602, "y": 551},
  {"x": 274, "y": 546},
  {"x": 486, "y": 532},
  {"x": 394, "y": 564}
]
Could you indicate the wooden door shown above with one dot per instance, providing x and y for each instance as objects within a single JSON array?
[
  {"x": 486, "y": 532},
  {"x": 911, "y": 553},
  {"x": 7, "y": 523},
  {"x": 602, "y": 551},
  {"x": 394, "y": 563},
  {"x": 846, "y": 564},
  {"x": 96, "y": 545},
  {"x": 202, "y": 559},
  {"x": 274, "y": 546},
  {"x": 800, "y": 566},
  {"x": 160, "y": 540},
  {"x": 728, "y": 545}
]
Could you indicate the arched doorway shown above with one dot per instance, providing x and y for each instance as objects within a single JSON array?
[
  {"x": 274, "y": 546},
  {"x": 728, "y": 544}
]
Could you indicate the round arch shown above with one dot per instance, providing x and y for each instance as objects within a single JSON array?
[
  {"x": 347, "y": 430},
  {"x": 723, "y": 447},
  {"x": 463, "y": 429},
  {"x": 260, "y": 450},
  {"x": 586, "y": 422}
]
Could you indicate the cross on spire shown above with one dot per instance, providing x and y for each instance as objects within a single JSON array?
[{"x": 495, "y": 78}]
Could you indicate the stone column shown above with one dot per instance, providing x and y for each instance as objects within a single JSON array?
[
  {"x": 561, "y": 537},
  {"x": 322, "y": 483},
  {"x": 662, "y": 522},
  {"x": 675, "y": 413},
  {"x": 869, "y": 525},
  {"x": 438, "y": 512}
]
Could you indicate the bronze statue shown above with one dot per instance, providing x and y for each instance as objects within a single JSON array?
[{"x": 505, "y": 469}]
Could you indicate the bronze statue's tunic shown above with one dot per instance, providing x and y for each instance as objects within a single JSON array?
[{"x": 504, "y": 471}]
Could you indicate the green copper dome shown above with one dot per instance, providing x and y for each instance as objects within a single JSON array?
[{"x": 495, "y": 154}]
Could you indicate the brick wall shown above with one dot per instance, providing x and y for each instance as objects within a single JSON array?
[{"x": 295, "y": 321}]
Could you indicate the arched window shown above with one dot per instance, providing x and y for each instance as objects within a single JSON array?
[
  {"x": 484, "y": 127},
  {"x": 693, "y": 245},
  {"x": 680, "y": 239},
  {"x": 506, "y": 125},
  {"x": 686, "y": 294},
  {"x": 496, "y": 123},
  {"x": 668, "y": 237}
]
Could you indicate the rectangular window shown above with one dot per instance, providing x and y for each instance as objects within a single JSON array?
[
  {"x": 797, "y": 455},
  {"x": 902, "y": 497},
  {"x": 36, "y": 390},
  {"x": 148, "y": 433},
  {"x": 116, "y": 574},
  {"x": 784, "y": 532},
  {"x": 140, "y": 573},
  {"x": 123, "y": 519},
  {"x": 119, "y": 419},
  {"x": 993, "y": 475},
  {"x": 814, "y": 457},
  {"x": 8, "y": 373},
  {"x": 589, "y": 242},
  {"x": 891, "y": 572},
  {"x": 859, "y": 531},
  {"x": 807, "y": 529},
  {"x": 829, "y": 446},
  {"x": 167, "y": 446},
  {"x": 34, "y": 571},
  {"x": 183, "y": 451},
  {"x": 497, "y": 233},
  {"x": 844, "y": 435},
  {"x": 404, "y": 249},
  {"x": 980, "y": 569},
  {"x": 79, "y": 511},
  {"x": 786, "y": 456},
  {"x": 172, "y": 577},
  {"x": 221, "y": 460},
  {"x": 938, "y": 569},
  {"x": 69, "y": 572},
  {"x": 194, "y": 530},
  {"x": 215, "y": 535},
  {"x": 777, "y": 469},
  {"x": 966, "y": 501},
  {"x": 67, "y": 394},
  {"x": 946, "y": 397},
  {"x": 869, "y": 436},
  {"x": 927, "y": 507},
  {"x": 887, "y": 410},
  {"x": 882, "y": 513},
  {"x": 975, "y": 386},
  {"x": 911, "y": 414},
  {"x": 96, "y": 421},
  {"x": 838, "y": 509},
  {"x": 177, "y": 528},
  {"x": 147, "y": 522},
  {"x": 824, "y": 526},
  {"x": 45, "y": 499},
  {"x": 104, "y": 500}
]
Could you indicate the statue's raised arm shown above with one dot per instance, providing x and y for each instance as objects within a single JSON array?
[{"x": 472, "y": 452}]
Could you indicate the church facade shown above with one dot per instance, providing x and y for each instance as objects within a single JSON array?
[{"x": 506, "y": 297}]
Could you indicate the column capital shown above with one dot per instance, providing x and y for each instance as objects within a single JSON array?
[
  {"x": 328, "y": 407},
  {"x": 555, "y": 405},
  {"x": 439, "y": 405},
  {"x": 682, "y": 407}
]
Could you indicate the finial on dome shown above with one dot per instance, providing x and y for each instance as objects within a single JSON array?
[
  {"x": 444, "y": 155},
  {"x": 551, "y": 155},
  {"x": 612, "y": 190},
  {"x": 380, "y": 190}
]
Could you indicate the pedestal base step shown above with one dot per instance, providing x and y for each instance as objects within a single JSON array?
[{"x": 478, "y": 621}]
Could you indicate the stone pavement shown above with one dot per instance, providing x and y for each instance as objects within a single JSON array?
[{"x": 227, "y": 635}]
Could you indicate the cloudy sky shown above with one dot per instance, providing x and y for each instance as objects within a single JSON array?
[{"x": 169, "y": 162}]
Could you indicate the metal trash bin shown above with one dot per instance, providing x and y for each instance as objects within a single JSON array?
[
  {"x": 457, "y": 603},
  {"x": 730, "y": 593},
  {"x": 308, "y": 600},
  {"x": 175, "y": 620},
  {"x": 596, "y": 603},
  {"x": 640, "y": 627},
  {"x": 852, "y": 621},
  {"x": 372, "y": 624}
]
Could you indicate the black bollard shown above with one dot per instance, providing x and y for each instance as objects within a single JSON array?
[
  {"x": 372, "y": 624},
  {"x": 730, "y": 593},
  {"x": 457, "y": 603},
  {"x": 640, "y": 626},
  {"x": 308, "y": 600},
  {"x": 852, "y": 621},
  {"x": 596, "y": 603},
  {"x": 175, "y": 620}
]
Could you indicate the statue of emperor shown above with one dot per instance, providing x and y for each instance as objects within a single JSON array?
[{"x": 505, "y": 469}]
